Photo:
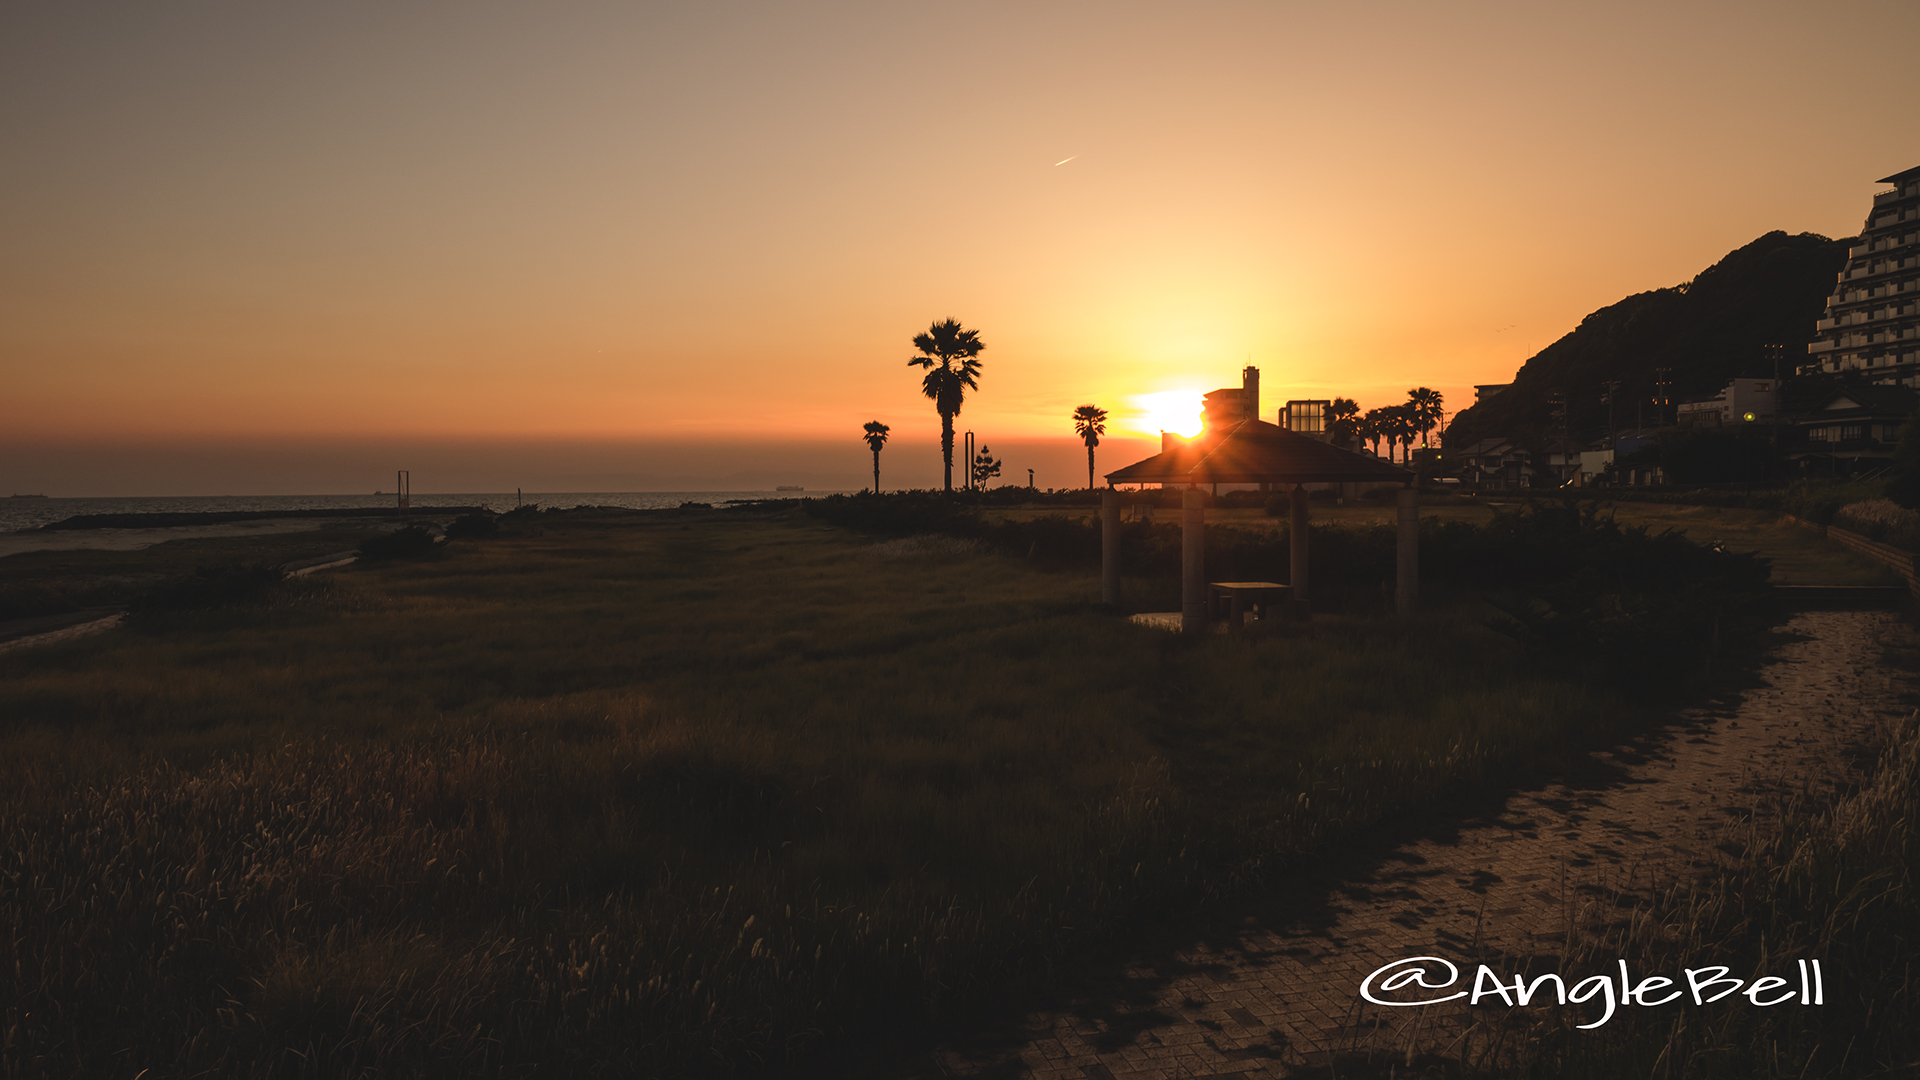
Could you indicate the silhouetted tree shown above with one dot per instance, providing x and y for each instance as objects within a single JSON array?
[
  {"x": 1398, "y": 426},
  {"x": 950, "y": 353},
  {"x": 1424, "y": 410},
  {"x": 1903, "y": 486},
  {"x": 876, "y": 437},
  {"x": 1343, "y": 425},
  {"x": 985, "y": 467},
  {"x": 1371, "y": 428},
  {"x": 1090, "y": 422}
]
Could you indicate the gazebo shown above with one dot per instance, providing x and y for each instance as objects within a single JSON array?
[{"x": 1255, "y": 452}]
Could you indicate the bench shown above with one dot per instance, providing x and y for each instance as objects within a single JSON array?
[{"x": 1233, "y": 598}]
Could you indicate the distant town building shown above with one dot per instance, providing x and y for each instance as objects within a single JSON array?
[
  {"x": 1872, "y": 322},
  {"x": 1742, "y": 401},
  {"x": 1483, "y": 391},
  {"x": 1861, "y": 423},
  {"x": 1308, "y": 417},
  {"x": 1228, "y": 407},
  {"x": 1493, "y": 465}
]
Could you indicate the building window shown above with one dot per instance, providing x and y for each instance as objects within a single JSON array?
[
  {"x": 1307, "y": 417},
  {"x": 1849, "y": 432}
]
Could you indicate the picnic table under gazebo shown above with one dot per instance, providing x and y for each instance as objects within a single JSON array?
[{"x": 1255, "y": 452}]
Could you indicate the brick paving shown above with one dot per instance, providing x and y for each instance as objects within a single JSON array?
[{"x": 1278, "y": 993}]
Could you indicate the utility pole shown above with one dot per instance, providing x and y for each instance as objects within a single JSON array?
[
  {"x": 1775, "y": 353},
  {"x": 1558, "y": 400},
  {"x": 969, "y": 453},
  {"x": 1663, "y": 393},
  {"x": 1608, "y": 391}
]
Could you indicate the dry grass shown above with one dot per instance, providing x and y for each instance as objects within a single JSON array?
[
  {"x": 1800, "y": 556},
  {"x": 669, "y": 794}
]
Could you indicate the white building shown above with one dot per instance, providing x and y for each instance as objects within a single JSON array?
[
  {"x": 1742, "y": 401},
  {"x": 1873, "y": 317}
]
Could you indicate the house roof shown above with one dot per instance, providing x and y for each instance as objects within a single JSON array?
[
  {"x": 1255, "y": 451},
  {"x": 1879, "y": 400},
  {"x": 1561, "y": 446},
  {"x": 1899, "y": 177}
]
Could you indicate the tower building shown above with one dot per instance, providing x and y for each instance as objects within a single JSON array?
[
  {"x": 1872, "y": 322},
  {"x": 1224, "y": 408}
]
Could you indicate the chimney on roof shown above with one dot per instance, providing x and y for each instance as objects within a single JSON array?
[{"x": 1250, "y": 392}]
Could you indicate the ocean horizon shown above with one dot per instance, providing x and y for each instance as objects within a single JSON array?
[{"x": 22, "y": 513}]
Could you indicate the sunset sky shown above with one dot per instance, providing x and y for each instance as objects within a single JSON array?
[{"x": 281, "y": 248}]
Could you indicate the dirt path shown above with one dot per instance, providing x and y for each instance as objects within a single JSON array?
[
  {"x": 1278, "y": 993},
  {"x": 65, "y": 633}
]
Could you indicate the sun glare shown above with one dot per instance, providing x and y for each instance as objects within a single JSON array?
[{"x": 1177, "y": 411}]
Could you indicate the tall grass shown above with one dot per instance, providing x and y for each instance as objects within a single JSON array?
[
  {"x": 1834, "y": 883},
  {"x": 679, "y": 794},
  {"x": 1883, "y": 520}
]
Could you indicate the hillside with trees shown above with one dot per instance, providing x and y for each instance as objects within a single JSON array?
[{"x": 1707, "y": 331}]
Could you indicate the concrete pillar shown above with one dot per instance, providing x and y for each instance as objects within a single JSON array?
[
  {"x": 1110, "y": 547},
  {"x": 1297, "y": 545},
  {"x": 1193, "y": 562},
  {"x": 1406, "y": 593}
]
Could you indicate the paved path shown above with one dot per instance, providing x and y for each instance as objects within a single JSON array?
[
  {"x": 67, "y": 633},
  {"x": 1278, "y": 994}
]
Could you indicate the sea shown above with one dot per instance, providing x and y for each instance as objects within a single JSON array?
[{"x": 31, "y": 513}]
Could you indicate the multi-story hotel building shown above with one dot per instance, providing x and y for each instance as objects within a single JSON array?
[{"x": 1873, "y": 317}]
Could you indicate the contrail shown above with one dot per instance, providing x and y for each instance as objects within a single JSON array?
[{"x": 1063, "y": 161}]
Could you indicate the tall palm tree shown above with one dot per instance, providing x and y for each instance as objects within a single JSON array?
[
  {"x": 950, "y": 353},
  {"x": 1342, "y": 421},
  {"x": 1400, "y": 427},
  {"x": 876, "y": 437},
  {"x": 1373, "y": 427},
  {"x": 1425, "y": 406},
  {"x": 1090, "y": 422}
]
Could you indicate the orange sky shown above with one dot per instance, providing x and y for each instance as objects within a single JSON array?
[{"x": 354, "y": 223}]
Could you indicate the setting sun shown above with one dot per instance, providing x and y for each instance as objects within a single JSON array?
[{"x": 1177, "y": 411}]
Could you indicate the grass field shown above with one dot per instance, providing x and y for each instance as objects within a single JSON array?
[
  {"x": 673, "y": 793},
  {"x": 49, "y": 582},
  {"x": 1800, "y": 556}
]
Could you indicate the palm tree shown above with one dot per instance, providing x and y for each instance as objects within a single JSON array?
[
  {"x": 1399, "y": 427},
  {"x": 950, "y": 353},
  {"x": 1090, "y": 422},
  {"x": 876, "y": 437},
  {"x": 1342, "y": 421},
  {"x": 1425, "y": 407},
  {"x": 1373, "y": 427}
]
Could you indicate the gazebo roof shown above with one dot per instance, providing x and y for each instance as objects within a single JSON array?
[{"x": 1256, "y": 452}]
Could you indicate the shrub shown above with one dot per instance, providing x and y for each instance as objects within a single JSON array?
[
  {"x": 408, "y": 543},
  {"x": 1591, "y": 597},
  {"x": 210, "y": 588},
  {"x": 481, "y": 526},
  {"x": 1883, "y": 520},
  {"x": 1819, "y": 503}
]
